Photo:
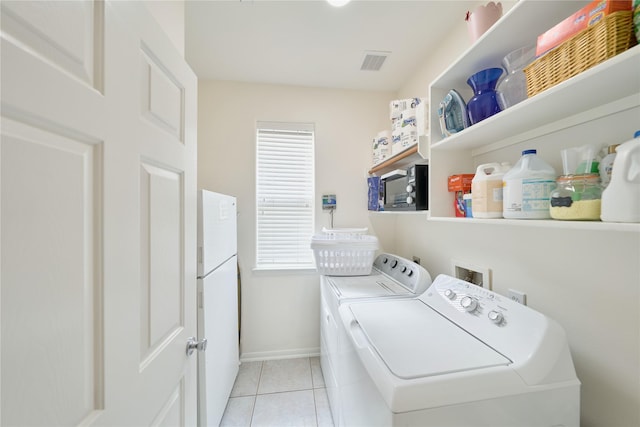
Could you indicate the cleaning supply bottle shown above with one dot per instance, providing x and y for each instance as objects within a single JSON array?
[
  {"x": 486, "y": 190},
  {"x": 607, "y": 164},
  {"x": 527, "y": 188},
  {"x": 621, "y": 199}
]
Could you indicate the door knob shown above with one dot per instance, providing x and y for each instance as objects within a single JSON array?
[{"x": 193, "y": 344}]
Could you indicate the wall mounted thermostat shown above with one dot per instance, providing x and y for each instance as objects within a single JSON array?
[{"x": 328, "y": 201}]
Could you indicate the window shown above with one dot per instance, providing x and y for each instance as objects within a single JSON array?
[{"x": 284, "y": 195}]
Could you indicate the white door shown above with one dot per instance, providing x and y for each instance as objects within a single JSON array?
[{"x": 98, "y": 220}]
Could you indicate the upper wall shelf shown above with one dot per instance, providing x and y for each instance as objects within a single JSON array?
[
  {"x": 584, "y": 92},
  {"x": 519, "y": 27}
]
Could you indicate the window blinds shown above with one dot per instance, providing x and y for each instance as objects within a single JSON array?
[{"x": 284, "y": 195}]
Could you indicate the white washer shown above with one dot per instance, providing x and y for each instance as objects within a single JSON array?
[
  {"x": 392, "y": 277},
  {"x": 458, "y": 355}
]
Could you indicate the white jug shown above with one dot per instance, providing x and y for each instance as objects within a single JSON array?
[
  {"x": 527, "y": 188},
  {"x": 621, "y": 199},
  {"x": 486, "y": 190}
]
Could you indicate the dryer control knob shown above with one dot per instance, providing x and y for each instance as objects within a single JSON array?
[
  {"x": 409, "y": 188},
  {"x": 496, "y": 317},
  {"x": 469, "y": 304},
  {"x": 450, "y": 294},
  {"x": 409, "y": 200}
]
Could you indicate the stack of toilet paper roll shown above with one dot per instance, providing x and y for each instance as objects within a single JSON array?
[
  {"x": 408, "y": 121},
  {"x": 404, "y": 130}
]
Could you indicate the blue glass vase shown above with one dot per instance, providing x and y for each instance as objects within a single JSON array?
[{"x": 485, "y": 99}]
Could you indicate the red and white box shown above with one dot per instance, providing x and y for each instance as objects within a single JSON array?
[
  {"x": 589, "y": 15},
  {"x": 459, "y": 185}
]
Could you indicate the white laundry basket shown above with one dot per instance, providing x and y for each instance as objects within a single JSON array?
[
  {"x": 344, "y": 252},
  {"x": 344, "y": 233}
]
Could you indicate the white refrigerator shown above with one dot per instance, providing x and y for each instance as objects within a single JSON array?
[{"x": 217, "y": 304}]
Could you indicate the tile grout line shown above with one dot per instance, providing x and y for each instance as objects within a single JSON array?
[
  {"x": 293, "y": 390},
  {"x": 255, "y": 397},
  {"x": 313, "y": 393},
  {"x": 311, "y": 373}
]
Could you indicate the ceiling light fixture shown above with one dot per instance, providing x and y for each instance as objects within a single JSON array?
[{"x": 338, "y": 3}]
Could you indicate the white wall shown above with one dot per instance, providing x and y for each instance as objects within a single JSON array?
[
  {"x": 280, "y": 312},
  {"x": 588, "y": 281},
  {"x": 170, "y": 16}
]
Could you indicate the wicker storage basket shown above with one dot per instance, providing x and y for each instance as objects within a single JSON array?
[
  {"x": 344, "y": 256},
  {"x": 593, "y": 45}
]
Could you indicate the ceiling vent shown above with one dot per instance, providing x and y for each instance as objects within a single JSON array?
[{"x": 373, "y": 60}]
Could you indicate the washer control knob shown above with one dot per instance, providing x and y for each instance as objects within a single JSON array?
[
  {"x": 469, "y": 304},
  {"x": 394, "y": 263},
  {"x": 496, "y": 317},
  {"x": 409, "y": 188},
  {"x": 404, "y": 268},
  {"x": 409, "y": 200},
  {"x": 450, "y": 294},
  {"x": 410, "y": 273}
]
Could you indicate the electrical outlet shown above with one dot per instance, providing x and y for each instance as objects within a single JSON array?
[
  {"x": 416, "y": 260},
  {"x": 480, "y": 276},
  {"x": 517, "y": 296}
]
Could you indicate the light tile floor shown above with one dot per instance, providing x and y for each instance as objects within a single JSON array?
[{"x": 288, "y": 392}]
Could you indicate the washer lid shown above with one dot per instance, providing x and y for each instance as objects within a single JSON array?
[
  {"x": 415, "y": 341},
  {"x": 375, "y": 284}
]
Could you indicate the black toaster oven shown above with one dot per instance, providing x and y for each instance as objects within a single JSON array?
[{"x": 406, "y": 189}]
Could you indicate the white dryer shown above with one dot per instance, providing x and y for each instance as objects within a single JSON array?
[
  {"x": 392, "y": 277},
  {"x": 457, "y": 355}
]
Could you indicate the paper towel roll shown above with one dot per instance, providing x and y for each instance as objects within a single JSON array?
[
  {"x": 395, "y": 109},
  {"x": 384, "y": 137},
  {"x": 408, "y": 118},
  {"x": 396, "y": 142},
  {"x": 396, "y": 124},
  {"x": 397, "y": 106},
  {"x": 408, "y": 137},
  {"x": 422, "y": 121},
  {"x": 381, "y": 146}
]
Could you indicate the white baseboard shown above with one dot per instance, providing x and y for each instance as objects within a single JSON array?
[{"x": 280, "y": 354}]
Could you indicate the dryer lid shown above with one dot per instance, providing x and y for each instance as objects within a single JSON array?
[
  {"x": 415, "y": 341},
  {"x": 372, "y": 285}
]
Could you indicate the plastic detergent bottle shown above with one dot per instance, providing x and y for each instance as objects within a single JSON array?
[
  {"x": 486, "y": 190},
  {"x": 606, "y": 165},
  {"x": 527, "y": 188},
  {"x": 621, "y": 199}
]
